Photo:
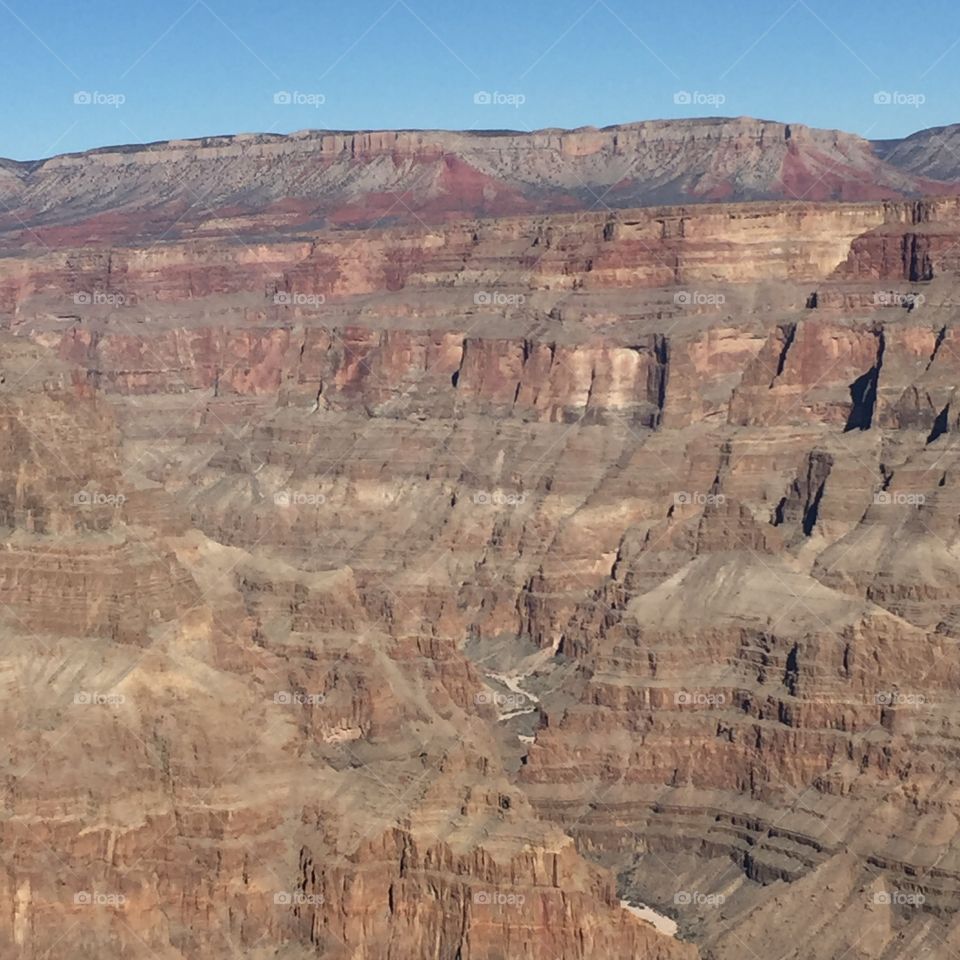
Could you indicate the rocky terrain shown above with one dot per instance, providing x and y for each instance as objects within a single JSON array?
[
  {"x": 255, "y": 185},
  {"x": 554, "y": 585}
]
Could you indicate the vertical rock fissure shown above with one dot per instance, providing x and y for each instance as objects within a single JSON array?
[
  {"x": 863, "y": 391},
  {"x": 455, "y": 376},
  {"x": 941, "y": 425},
  {"x": 941, "y": 336},
  {"x": 791, "y": 674},
  {"x": 789, "y": 332},
  {"x": 593, "y": 380},
  {"x": 920, "y": 265},
  {"x": 661, "y": 349},
  {"x": 812, "y": 512}
]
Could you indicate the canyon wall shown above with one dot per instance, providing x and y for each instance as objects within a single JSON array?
[{"x": 421, "y": 593}]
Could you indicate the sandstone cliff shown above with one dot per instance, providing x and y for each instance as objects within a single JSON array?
[{"x": 421, "y": 593}]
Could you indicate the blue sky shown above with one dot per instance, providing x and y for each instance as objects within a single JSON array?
[{"x": 186, "y": 68}]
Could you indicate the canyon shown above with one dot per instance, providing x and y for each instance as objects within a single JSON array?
[{"x": 517, "y": 577}]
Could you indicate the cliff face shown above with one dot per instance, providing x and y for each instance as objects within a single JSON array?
[
  {"x": 497, "y": 263},
  {"x": 424, "y": 593},
  {"x": 252, "y": 185},
  {"x": 221, "y": 749}
]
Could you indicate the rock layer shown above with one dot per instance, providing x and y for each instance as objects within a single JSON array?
[
  {"x": 419, "y": 592},
  {"x": 255, "y": 184}
]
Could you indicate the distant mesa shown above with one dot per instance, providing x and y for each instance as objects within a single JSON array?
[{"x": 328, "y": 179}]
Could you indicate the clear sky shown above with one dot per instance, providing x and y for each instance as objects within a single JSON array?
[{"x": 146, "y": 71}]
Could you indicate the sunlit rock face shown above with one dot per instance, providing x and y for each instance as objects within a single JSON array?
[
  {"x": 427, "y": 590},
  {"x": 253, "y": 186}
]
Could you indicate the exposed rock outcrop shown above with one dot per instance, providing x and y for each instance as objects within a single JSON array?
[{"x": 424, "y": 593}]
